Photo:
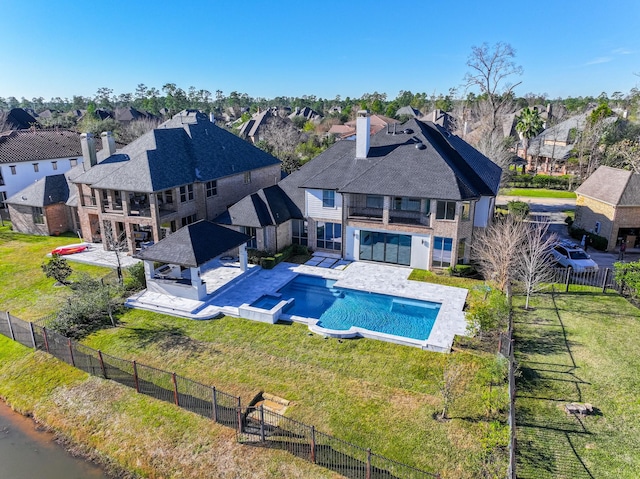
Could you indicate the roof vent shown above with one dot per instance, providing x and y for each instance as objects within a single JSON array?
[
  {"x": 420, "y": 146},
  {"x": 408, "y": 131}
]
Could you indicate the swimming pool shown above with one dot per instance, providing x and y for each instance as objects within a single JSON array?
[{"x": 340, "y": 308}]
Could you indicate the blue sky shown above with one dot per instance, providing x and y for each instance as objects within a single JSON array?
[{"x": 298, "y": 47}]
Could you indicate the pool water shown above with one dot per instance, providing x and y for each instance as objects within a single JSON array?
[
  {"x": 341, "y": 308},
  {"x": 266, "y": 302}
]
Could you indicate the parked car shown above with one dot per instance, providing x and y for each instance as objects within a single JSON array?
[{"x": 572, "y": 255}]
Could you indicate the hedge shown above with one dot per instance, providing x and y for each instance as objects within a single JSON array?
[
  {"x": 598, "y": 242},
  {"x": 563, "y": 182}
]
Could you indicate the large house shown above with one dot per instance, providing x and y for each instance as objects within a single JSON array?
[
  {"x": 411, "y": 196},
  {"x": 608, "y": 204},
  {"x": 185, "y": 170},
  {"x": 29, "y": 155}
]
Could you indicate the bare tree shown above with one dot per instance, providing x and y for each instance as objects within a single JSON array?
[
  {"x": 496, "y": 250},
  {"x": 135, "y": 129},
  {"x": 116, "y": 242},
  {"x": 534, "y": 261},
  {"x": 451, "y": 385},
  {"x": 281, "y": 136},
  {"x": 491, "y": 66},
  {"x": 4, "y": 121}
]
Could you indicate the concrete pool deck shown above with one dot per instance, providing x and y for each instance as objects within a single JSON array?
[{"x": 371, "y": 277}]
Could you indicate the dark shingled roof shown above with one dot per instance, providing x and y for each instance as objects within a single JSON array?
[
  {"x": 194, "y": 244},
  {"x": 268, "y": 206},
  {"x": 183, "y": 150},
  {"x": 43, "y": 192},
  {"x": 444, "y": 168},
  {"x": 30, "y": 145},
  {"x": 20, "y": 119}
]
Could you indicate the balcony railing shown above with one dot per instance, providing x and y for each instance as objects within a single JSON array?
[{"x": 365, "y": 214}]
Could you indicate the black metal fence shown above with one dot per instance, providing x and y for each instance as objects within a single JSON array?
[
  {"x": 603, "y": 279},
  {"x": 264, "y": 428},
  {"x": 254, "y": 426}
]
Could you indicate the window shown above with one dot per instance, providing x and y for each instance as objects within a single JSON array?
[
  {"x": 36, "y": 168},
  {"x": 250, "y": 231},
  {"x": 329, "y": 235},
  {"x": 465, "y": 214},
  {"x": 375, "y": 201},
  {"x": 73, "y": 162},
  {"x": 596, "y": 230},
  {"x": 1, "y": 179},
  {"x": 212, "y": 188},
  {"x": 385, "y": 247},
  {"x": 446, "y": 210},
  {"x": 461, "y": 249},
  {"x": 186, "y": 193},
  {"x": 187, "y": 220},
  {"x": 3, "y": 198},
  {"x": 442, "y": 251},
  {"x": 13, "y": 169},
  {"x": 406, "y": 204},
  {"x": 54, "y": 165},
  {"x": 38, "y": 216},
  {"x": 328, "y": 199},
  {"x": 299, "y": 233},
  {"x": 247, "y": 177},
  {"x": 427, "y": 207}
]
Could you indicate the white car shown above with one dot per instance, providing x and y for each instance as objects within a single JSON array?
[{"x": 570, "y": 255}]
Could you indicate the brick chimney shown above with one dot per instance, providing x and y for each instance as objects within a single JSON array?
[
  {"x": 363, "y": 130},
  {"x": 88, "y": 145},
  {"x": 108, "y": 143}
]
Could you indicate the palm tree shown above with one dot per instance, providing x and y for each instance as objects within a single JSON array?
[{"x": 529, "y": 125}]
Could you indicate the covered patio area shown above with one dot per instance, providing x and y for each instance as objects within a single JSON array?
[{"x": 195, "y": 261}]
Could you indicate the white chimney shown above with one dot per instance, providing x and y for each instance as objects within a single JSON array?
[
  {"x": 363, "y": 128},
  {"x": 88, "y": 146},
  {"x": 108, "y": 143},
  {"x": 212, "y": 118}
]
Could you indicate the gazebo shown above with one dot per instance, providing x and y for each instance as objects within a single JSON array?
[{"x": 173, "y": 265}]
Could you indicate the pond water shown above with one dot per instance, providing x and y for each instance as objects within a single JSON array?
[{"x": 27, "y": 453}]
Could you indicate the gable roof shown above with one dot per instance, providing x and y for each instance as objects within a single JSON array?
[
  {"x": 194, "y": 244},
  {"x": 31, "y": 145},
  {"x": 421, "y": 160},
  {"x": 183, "y": 150},
  {"x": 20, "y": 119},
  {"x": 43, "y": 192},
  {"x": 268, "y": 206},
  {"x": 612, "y": 186}
]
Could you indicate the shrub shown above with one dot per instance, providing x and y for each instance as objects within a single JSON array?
[
  {"x": 57, "y": 268},
  {"x": 628, "y": 275},
  {"x": 488, "y": 313},
  {"x": 464, "y": 270},
  {"x": 519, "y": 209},
  {"x": 135, "y": 279},
  {"x": 268, "y": 262},
  {"x": 598, "y": 242}
]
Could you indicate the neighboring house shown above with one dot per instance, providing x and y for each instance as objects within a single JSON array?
[
  {"x": 129, "y": 114},
  {"x": 41, "y": 208},
  {"x": 376, "y": 124},
  {"x": 253, "y": 130},
  {"x": 20, "y": 119},
  {"x": 409, "y": 112},
  {"x": 608, "y": 204},
  {"x": 185, "y": 170},
  {"x": 307, "y": 113},
  {"x": 29, "y": 155},
  {"x": 549, "y": 151},
  {"x": 413, "y": 197}
]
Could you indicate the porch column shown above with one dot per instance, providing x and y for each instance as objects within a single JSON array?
[
  {"x": 242, "y": 253},
  {"x": 197, "y": 283},
  {"x": 148, "y": 269},
  {"x": 386, "y": 206}
]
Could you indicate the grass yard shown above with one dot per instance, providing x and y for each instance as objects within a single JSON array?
[
  {"x": 537, "y": 193},
  {"x": 371, "y": 393},
  {"x": 24, "y": 289},
  {"x": 578, "y": 347}
]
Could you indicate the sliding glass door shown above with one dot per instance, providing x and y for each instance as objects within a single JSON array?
[{"x": 385, "y": 247}]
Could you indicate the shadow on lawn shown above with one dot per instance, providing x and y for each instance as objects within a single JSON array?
[
  {"x": 546, "y": 442},
  {"x": 166, "y": 337}
]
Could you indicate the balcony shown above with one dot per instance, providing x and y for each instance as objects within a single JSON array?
[
  {"x": 89, "y": 201},
  {"x": 413, "y": 218},
  {"x": 359, "y": 213}
]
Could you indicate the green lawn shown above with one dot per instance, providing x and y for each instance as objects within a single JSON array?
[
  {"x": 24, "y": 289},
  {"x": 537, "y": 193},
  {"x": 578, "y": 347},
  {"x": 371, "y": 393}
]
